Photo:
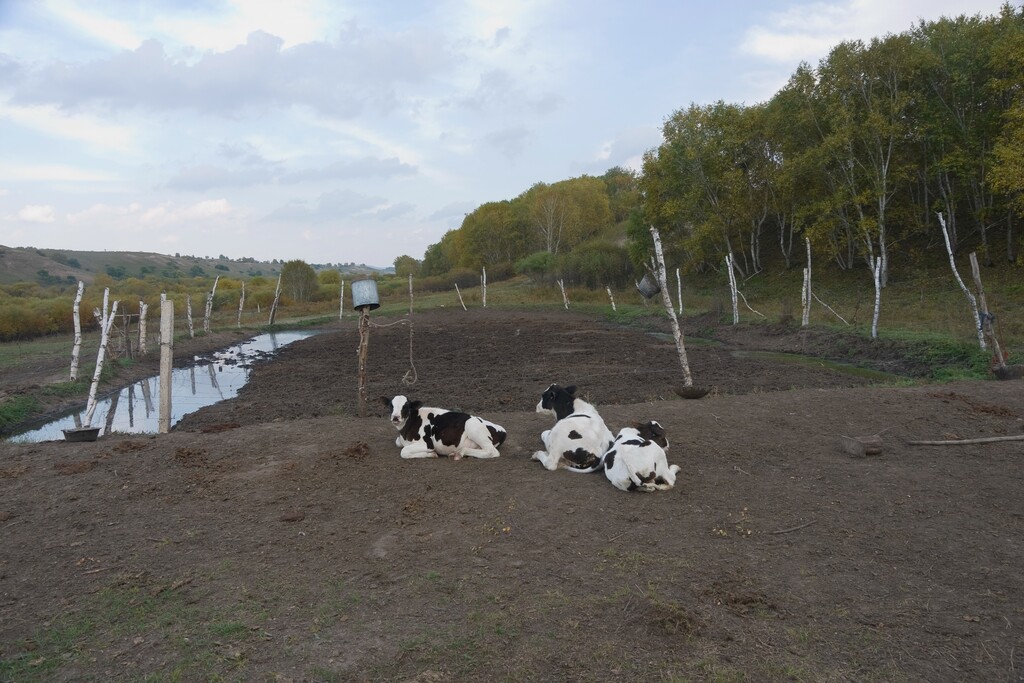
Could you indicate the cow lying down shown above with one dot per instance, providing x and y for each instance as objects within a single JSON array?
[
  {"x": 579, "y": 437},
  {"x": 636, "y": 460},
  {"x": 429, "y": 432}
]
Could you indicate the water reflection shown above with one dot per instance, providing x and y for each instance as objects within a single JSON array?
[{"x": 132, "y": 410}]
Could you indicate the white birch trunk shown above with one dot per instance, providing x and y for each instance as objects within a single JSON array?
[
  {"x": 410, "y": 293},
  {"x": 460, "y": 297},
  {"x": 107, "y": 322},
  {"x": 679, "y": 291},
  {"x": 76, "y": 351},
  {"x": 732, "y": 290},
  {"x": 967, "y": 292},
  {"x": 483, "y": 282},
  {"x": 611, "y": 298},
  {"x": 188, "y": 315},
  {"x": 143, "y": 313},
  {"x": 341, "y": 301},
  {"x": 667, "y": 301},
  {"x": 277, "y": 297},
  {"x": 209, "y": 305},
  {"x": 241, "y": 305},
  {"x": 878, "y": 298},
  {"x": 565, "y": 299}
]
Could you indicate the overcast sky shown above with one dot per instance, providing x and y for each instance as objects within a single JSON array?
[{"x": 358, "y": 131}]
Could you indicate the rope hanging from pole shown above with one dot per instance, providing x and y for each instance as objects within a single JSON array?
[{"x": 410, "y": 375}]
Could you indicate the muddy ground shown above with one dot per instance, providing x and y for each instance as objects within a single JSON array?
[{"x": 278, "y": 537}]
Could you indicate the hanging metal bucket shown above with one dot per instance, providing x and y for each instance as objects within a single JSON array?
[
  {"x": 648, "y": 286},
  {"x": 364, "y": 293}
]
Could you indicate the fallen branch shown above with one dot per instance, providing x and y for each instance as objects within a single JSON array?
[
  {"x": 795, "y": 528},
  {"x": 957, "y": 442}
]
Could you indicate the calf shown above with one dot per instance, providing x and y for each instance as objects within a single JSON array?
[
  {"x": 579, "y": 438},
  {"x": 636, "y": 460},
  {"x": 429, "y": 432}
]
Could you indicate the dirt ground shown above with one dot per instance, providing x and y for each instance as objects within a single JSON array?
[{"x": 278, "y": 537}]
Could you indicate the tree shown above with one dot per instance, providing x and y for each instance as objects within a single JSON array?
[
  {"x": 568, "y": 212},
  {"x": 495, "y": 233},
  {"x": 298, "y": 280},
  {"x": 406, "y": 266}
]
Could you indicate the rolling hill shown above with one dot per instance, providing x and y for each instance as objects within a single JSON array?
[{"x": 51, "y": 266}]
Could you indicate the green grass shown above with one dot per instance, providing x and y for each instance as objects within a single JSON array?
[
  {"x": 16, "y": 409},
  {"x": 199, "y": 643}
]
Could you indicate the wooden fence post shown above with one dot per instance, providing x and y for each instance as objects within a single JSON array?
[
  {"x": 986, "y": 317},
  {"x": 143, "y": 314},
  {"x": 166, "y": 363},
  {"x": 77, "y": 350},
  {"x": 667, "y": 301},
  {"x": 277, "y": 296}
]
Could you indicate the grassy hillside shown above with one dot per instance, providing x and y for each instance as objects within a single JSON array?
[{"x": 49, "y": 266}]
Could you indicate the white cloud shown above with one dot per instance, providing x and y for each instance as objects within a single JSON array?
[
  {"x": 34, "y": 213},
  {"x": 99, "y": 136}
]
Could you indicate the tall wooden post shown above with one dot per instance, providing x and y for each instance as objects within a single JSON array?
[
  {"x": 364, "y": 347},
  {"x": 666, "y": 299},
  {"x": 166, "y": 363},
  {"x": 986, "y": 317},
  {"x": 77, "y": 350}
]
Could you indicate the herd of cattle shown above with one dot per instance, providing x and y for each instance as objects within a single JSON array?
[{"x": 634, "y": 460}]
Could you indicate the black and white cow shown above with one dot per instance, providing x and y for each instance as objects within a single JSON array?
[
  {"x": 429, "y": 432},
  {"x": 636, "y": 460},
  {"x": 579, "y": 438}
]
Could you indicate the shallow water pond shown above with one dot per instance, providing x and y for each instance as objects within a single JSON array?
[{"x": 135, "y": 408}]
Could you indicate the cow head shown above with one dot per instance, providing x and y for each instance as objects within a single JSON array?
[
  {"x": 653, "y": 431},
  {"x": 557, "y": 401},
  {"x": 400, "y": 409}
]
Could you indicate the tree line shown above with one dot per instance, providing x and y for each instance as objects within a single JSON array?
[{"x": 856, "y": 158}]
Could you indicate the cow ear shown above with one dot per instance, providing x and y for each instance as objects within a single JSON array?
[
  {"x": 386, "y": 401},
  {"x": 414, "y": 405},
  {"x": 571, "y": 390}
]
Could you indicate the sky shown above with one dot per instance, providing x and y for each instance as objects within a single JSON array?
[{"x": 338, "y": 131}]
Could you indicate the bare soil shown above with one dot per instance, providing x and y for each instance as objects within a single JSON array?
[{"x": 279, "y": 537}]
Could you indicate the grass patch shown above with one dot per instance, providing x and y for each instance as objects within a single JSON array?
[
  {"x": 17, "y": 409},
  {"x": 199, "y": 643}
]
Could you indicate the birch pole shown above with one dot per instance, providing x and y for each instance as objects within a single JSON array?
[
  {"x": 967, "y": 292},
  {"x": 679, "y": 290},
  {"x": 483, "y": 282},
  {"x": 565, "y": 299},
  {"x": 986, "y": 317},
  {"x": 241, "y": 305},
  {"x": 805, "y": 300},
  {"x": 878, "y": 298},
  {"x": 460, "y": 297},
  {"x": 209, "y": 305},
  {"x": 277, "y": 296},
  {"x": 667, "y": 300},
  {"x": 732, "y": 290},
  {"x": 76, "y": 352},
  {"x": 106, "y": 322},
  {"x": 341, "y": 300},
  {"x": 410, "y": 294},
  {"x": 188, "y": 315},
  {"x": 143, "y": 312},
  {"x": 807, "y": 286},
  {"x": 166, "y": 363},
  {"x": 611, "y": 298}
]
